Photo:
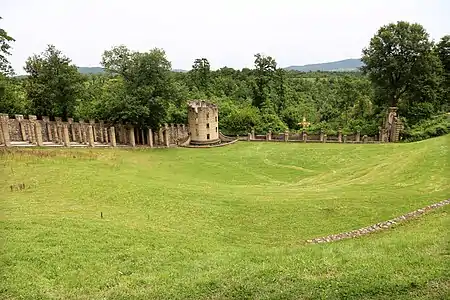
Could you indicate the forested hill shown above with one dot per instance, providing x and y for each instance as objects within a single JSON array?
[{"x": 342, "y": 65}]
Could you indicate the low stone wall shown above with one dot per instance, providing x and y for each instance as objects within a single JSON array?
[
  {"x": 32, "y": 131},
  {"x": 378, "y": 226}
]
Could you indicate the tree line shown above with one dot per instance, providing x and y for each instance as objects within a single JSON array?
[{"x": 402, "y": 67}]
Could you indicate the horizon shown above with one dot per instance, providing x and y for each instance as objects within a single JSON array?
[{"x": 295, "y": 33}]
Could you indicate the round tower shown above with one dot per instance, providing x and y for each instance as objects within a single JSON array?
[{"x": 203, "y": 119}]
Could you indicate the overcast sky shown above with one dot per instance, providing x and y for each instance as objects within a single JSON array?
[{"x": 227, "y": 32}]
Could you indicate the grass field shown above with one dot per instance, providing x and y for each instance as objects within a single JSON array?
[{"x": 224, "y": 223}]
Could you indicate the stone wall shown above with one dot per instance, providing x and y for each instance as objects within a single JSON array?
[
  {"x": 29, "y": 130},
  {"x": 314, "y": 137}
]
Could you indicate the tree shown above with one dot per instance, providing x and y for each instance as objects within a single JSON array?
[
  {"x": 201, "y": 74},
  {"x": 265, "y": 67},
  {"x": 147, "y": 83},
  {"x": 5, "y": 40},
  {"x": 399, "y": 57},
  {"x": 53, "y": 84},
  {"x": 443, "y": 50}
]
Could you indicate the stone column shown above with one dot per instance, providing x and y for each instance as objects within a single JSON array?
[
  {"x": 94, "y": 130},
  {"x": 358, "y": 136},
  {"x": 1, "y": 134},
  {"x": 340, "y": 136},
  {"x": 66, "y": 138},
  {"x": 166, "y": 136},
  {"x": 72, "y": 128},
  {"x": 55, "y": 132},
  {"x": 131, "y": 137},
  {"x": 5, "y": 130},
  {"x": 102, "y": 132},
  {"x": 60, "y": 129},
  {"x": 249, "y": 137},
  {"x": 23, "y": 131},
  {"x": 105, "y": 135},
  {"x": 269, "y": 136},
  {"x": 150, "y": 138},
  {"x": 365, "y": 139},
  {"x": 286, "y": 136},
  {"x": 345, "y": 138},
  {"x": 112, "y": 136},
  {"x": 253, "y": 134},
  {"x": 91, "y": 136},
  {"x": 324, "y": 138},
  {"x": 304, "y": 136},
  {"x": 48, "y": 128},
  {"x": 142, "y": 137},
  {"x": 80, "y": 132},
  {"x": 321, "y": 136},
  {"x": 38, "y": 134},
  {"x": 380, "y": 134},
  {"x": 32, "y": 122}
]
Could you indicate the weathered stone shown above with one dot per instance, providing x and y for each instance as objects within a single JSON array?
[
  {"x": 358, "y": 136},
  {"x": 340, "y": 136},
  {"x": 321, "y": 136},
  {"x": 105, "y": 135},
  {"x": 22, "y": 126},
  {"x": 38, "y": 134},
  {"x": 131, "y": 137},
  {"x": 91, "y": 142},
  {"x": 5, "y": 131},
  {"x": 112, "y": 136},
  {"x": 66, "y": 138},
  {"x": 150, "y": 138},
  {"x": 324, "y": 140}
]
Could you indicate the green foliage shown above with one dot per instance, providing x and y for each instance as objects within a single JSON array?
[
  {"x": 5, "y": 40},
  {"x": 53, "y": 85},
  {"x": 401, "y": 63},
  {"x": 428, "y": 128}
]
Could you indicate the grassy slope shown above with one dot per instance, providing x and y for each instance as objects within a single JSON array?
[{"x": 224, "y": 223}]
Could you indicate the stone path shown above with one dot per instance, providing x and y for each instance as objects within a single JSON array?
[{"x": 378, "y": 226}]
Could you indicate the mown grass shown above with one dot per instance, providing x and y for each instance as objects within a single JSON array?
[{"x": 224, "y": 223}]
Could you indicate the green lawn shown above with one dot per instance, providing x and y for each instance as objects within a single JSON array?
[{"x": 221, "y": 223}]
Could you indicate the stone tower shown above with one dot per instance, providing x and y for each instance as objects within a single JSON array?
[{"x": 203, "y": 119}]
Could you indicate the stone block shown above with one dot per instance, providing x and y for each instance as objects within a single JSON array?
[
  {"x": 150, "y": 138},
  {"x": 91, "y": 136},
  {"x": 66, "y": 138},
  {"x": 131, "y": 137},
  {"x": 112, "y": 136},
  {"x": 38, "y": 134}
]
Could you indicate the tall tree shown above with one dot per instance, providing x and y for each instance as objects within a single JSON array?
[
  {"x": 443, "y": 50},
  {"x": 53, "y": 84},
  {"x": 5, "y": 40},
  {"x": 399, "y": 57},
  {"x": 265, "y": 67},
  {"x": 147, "y": 84},
  {"x": 201, "y": 74}
]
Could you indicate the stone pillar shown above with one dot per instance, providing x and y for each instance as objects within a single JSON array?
[
  {"x": 253, "y": 134},
  {"x": 112, "y": 136},
  {"x": 105, "y": 135},
  {"x": 94, "y": 130},
  {"x": 22, "y": 125},
  {"x": 365, "y": 139},
  {"x": 72, "y": 128},
  {"x": 286, "y": 135},
  {"x": 321, "y": 136},
  {"x": 80, "y": 132},
  {"x": 304, "y": 136},
  {"x": 102, "y": 132},
  {"x": 358, "y": 136},
  {"x": 166, "y": 136},
  {"x": 345, "y": 138},
  {"x": 249, "y": 137},
  {"x": 48, "y": 128},
  {"x": 324, "y": 138},
  {"x": 1, "y": 134},
  {"x": 91, "y": 136},
  {"x": 131, "y": 137},
  {"x": 150, "y": 138},
  {"x": 5, "y": 130},
  {"x": 66, "y": 138},
  {"x": 38, "y": 134},
  {"x": 380, "y": 134},
  {"x": 32, "y": 122},
  {"x": 340, "y": 136},
  {"x": 269, "y": 135},
  {"x": 59, "y": 129}
]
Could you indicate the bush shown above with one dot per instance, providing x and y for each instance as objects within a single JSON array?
[{"x": 425, "y": 129}]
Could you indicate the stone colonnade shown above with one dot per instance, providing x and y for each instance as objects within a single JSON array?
[{"x": 21, "y": 131}]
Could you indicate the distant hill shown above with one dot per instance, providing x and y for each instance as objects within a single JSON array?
[
  {"x": 341, "y": 65},
  {"x": 90, "y": 70}
]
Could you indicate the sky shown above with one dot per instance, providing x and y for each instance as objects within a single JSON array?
[{"x": 226, "y": 32}]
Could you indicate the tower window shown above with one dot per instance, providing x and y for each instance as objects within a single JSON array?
[
  {"x": 215, "y": 118},
  {"x": 207, "y": 136},
  {"x": 216, "y": 129},
  {"x": 207, "y": 125}
]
